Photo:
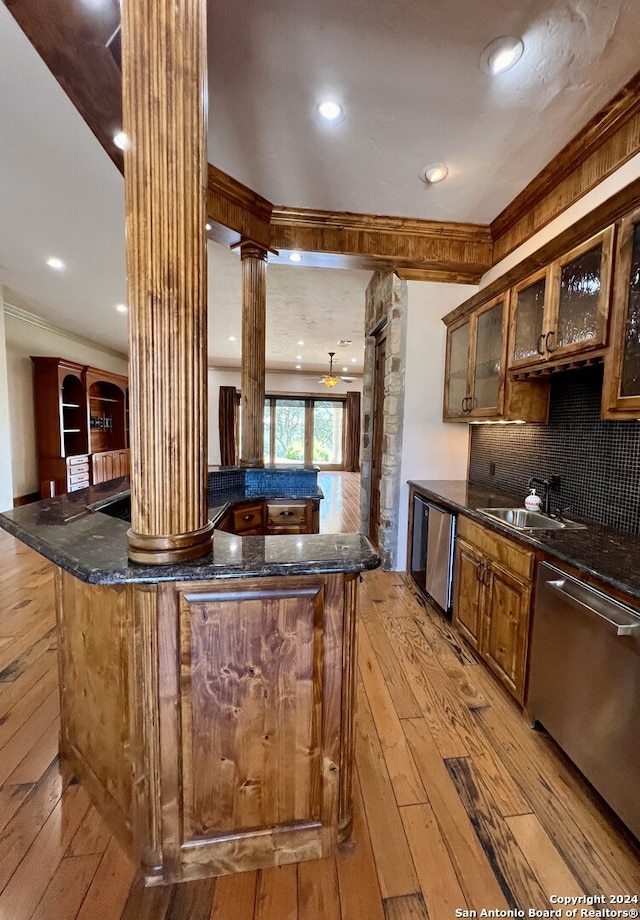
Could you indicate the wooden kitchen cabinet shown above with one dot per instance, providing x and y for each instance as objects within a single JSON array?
[
  {"x": 476, "y": 385},
  {"x": 562, "y": 311},
  {"x": 474, "y": 372},
  {"x": 621, "y": 387},
  {"x": 110, "y": 464},
  {"x": 271, "y": 517},
  {"x": 492, "y": 600},
  {"x": 287, "y": 516}
]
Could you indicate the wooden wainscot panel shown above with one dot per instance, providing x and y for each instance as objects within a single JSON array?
[
  {"x": 250, "y": 756},
  {"x": 94, "y": 662}
]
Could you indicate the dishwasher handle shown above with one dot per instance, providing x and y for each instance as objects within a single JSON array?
[{"x": 622, "y": 629}]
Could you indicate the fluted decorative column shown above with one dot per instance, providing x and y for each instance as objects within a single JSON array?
[
  {"x": 254, "y": 309},
  {"x": 164, "y": 102}
]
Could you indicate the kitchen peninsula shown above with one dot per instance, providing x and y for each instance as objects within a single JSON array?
[{"x": 206, "y": 706}]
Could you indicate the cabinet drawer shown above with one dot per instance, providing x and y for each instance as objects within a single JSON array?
[
  {"x": 518, "y": 560},
  {"x": 80, "y": 460},
  {"x": 78, "y": 477},
  {"x": 75, "y": 486},
  {"x": 248, "y": 517},
  {"x": 286, "y": 513}
]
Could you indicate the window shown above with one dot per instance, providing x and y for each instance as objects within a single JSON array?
[{"x": 304, "y": 430}]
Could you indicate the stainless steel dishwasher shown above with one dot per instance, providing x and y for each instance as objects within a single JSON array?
[{"x": 584, "y": 685}]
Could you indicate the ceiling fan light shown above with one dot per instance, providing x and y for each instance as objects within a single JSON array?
[{"x": 330, "y": 381}]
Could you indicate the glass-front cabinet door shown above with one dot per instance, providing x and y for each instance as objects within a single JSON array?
[
  {"x": 563, "y": 310},
  {"x": 621, "y": 389},
  {"x": 581, "y": 283},
  {"x": 487, "y": 364},
  {"x": 456, "y": 373},
  {"x": 529, "y": 308}
]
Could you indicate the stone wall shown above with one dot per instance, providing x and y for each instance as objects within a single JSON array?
[{"x": 386, "y": 309}]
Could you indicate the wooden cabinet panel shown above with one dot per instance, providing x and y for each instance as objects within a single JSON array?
[
  {"x": 111, "y": 464},
  {"x": 562, "y": 311},
  {"x": 506, "y": 628},
  {"x": 621, "y": 388},
  {"x": 476, "y": 383},
  {"x": 456, "y": 374},
  {"x": 468, "y": 592},
  {"x": 255, "y": 754},
  {"x": 493, "y": 585},
  {"x": 248, "y": 517}
]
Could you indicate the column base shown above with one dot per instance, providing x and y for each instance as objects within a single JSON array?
[{"x": 163, "y": 549}]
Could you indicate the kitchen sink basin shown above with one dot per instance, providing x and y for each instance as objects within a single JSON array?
[{"x": 522, "y": 519}]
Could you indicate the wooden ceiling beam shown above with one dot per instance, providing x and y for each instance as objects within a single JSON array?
[{"x": 72, "y": 40}]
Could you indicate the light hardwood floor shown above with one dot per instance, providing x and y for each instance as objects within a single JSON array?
[{"x": 459, "y": 804}]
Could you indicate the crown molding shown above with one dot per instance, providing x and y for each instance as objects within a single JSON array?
[{"x": 34, "y": 320}]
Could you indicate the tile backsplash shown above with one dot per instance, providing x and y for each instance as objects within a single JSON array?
[{"x": 598, "y": 461}]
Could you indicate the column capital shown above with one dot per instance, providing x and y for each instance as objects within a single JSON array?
[{"x": 249, "y": 249}]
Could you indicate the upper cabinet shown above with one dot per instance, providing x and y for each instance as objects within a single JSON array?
[
  {"x": 621, "y": 389},
  {"x": 476, "y": 384},
  {"x": 563, "y": 310},
  {"x": 474, "y": 372}
]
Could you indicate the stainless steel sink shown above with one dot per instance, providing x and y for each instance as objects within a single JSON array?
[{"x": 521, "y": 519}]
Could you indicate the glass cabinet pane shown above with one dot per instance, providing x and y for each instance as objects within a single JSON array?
[
  {"x": 458, "y": 367},
  {"x": 529, "y": 314},
  {"x": 630, "y": 382},
  {"x": 579, "y": 299},
  {"x": 488, "y": 356}
]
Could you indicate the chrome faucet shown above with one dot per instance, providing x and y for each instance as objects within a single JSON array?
[{"x": 549, "y": 485}]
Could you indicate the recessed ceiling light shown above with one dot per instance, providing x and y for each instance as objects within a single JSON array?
[
  {"x": 122, "y": 308},
  {"x": 55, "y": 262},
  {"x": 298, "y": 366},
  {"x": 232, "y": 338},
  {"x": 345, "y": 368},
  {"x": 434, "y": 173},
  {"x": 207, "y": 226},
  {"x": 331, "y": 111},
  {"x": 501, "y": 54},
  {"x": 354, "y": 360},
  {"x": 295, "y": 257},
  {"x": 121, "y": 140},
  {"x": 298, "y": 357},
  {"x": 300, "y": 343}
]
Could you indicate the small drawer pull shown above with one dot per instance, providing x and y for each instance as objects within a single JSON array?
[
  {"x": 248, "y": 517},
  {"x": 286, "y": 513}
]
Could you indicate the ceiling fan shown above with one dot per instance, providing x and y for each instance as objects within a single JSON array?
[{"x": 331, "y": 379}]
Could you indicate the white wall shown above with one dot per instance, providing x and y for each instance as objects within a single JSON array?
[
  {"x": 23, "y": 339},
  {"x": 274, "y": 383},
  {"x": 431, "y": 448}
]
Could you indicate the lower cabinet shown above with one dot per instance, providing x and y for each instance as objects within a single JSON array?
[
  {"x": 492, "y": 600},
  {"x": 271, "y": 517},
  {"x": 109, "y": 464}
]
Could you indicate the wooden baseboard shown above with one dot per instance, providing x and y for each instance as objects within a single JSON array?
[{"x": 26, "y": 499}]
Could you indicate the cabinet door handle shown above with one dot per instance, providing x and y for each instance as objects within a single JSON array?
[
  {"x": 486, "y": 577},
  {"x": 539, "y": 348},
  {"x": 248, "y": 517},
  {"x": 546, "y": 341},
  {"x": 286, "y": 513},
  {"x": 479, "y": 571},
  {"x": 464, "y": 403}
]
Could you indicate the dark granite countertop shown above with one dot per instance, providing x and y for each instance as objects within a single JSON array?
[
  {"x": 72, "y": 531},
  {"x": 609, "y": 555}
]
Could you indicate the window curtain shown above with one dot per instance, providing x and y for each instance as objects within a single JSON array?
[
  {"x": 352, "y": 433},
  {"x": 227, "y": 426}
]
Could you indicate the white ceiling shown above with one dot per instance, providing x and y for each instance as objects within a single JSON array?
[{"x": 408, "y": 74}]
